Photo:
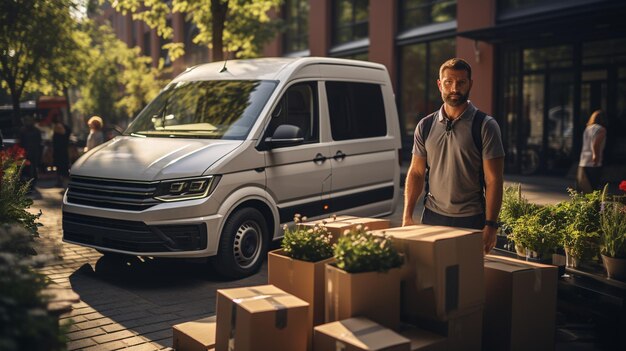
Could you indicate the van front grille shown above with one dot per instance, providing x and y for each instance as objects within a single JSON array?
[
  {"x": 133, "y": 236},
  {"x": 111, "y": 193}
]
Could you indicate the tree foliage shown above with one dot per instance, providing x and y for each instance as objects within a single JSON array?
[
  {"x": 37, "y": 46},
  {"x": 117, "y": 81},
  {"x": 240, "y": 27}
]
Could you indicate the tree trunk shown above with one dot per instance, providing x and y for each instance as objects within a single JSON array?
[{"x": 219, "y": 8}]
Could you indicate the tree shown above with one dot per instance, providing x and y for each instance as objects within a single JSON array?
[
  {"x": 236, "y": 26},
  {"x": 117, "y": 81},
  {"x": 37, "y": 45}
]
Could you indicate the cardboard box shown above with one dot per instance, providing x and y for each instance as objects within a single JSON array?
[
  {"x": 374, "y": 295},
  {"x": 260, "y": 318},
  {"x": 520, "y": 306},
  {"x": 462, "y": 332},
  {"x": 302, "y": 279},
  {"x": 357, "y": 334},
  {"x": 340, "y": 224},
  {"x": 196, "y": 335},
  {"x": 443, "y": 275},
  {"x": 423, "y": 340}
]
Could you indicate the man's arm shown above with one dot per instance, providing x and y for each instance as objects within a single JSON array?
[
  {"x": 494, "y": 173},
  {"x": 413, "y": 187}
]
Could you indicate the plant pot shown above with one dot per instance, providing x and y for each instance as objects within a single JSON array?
[
  {"x": 537, "y": 257},
  {"x": 520, "y": 250},
  {"x": 570, "y": 260},
  {"x": 302, "y": 279},
  {"x": 615, "y": 267}
]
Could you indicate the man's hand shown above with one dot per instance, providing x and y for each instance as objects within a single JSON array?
[{"x": 489, "y": 238}]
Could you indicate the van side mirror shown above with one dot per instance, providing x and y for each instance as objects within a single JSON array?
[{"x": 285, "y": 135}]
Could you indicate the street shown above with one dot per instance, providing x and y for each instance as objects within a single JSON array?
[{"x": 133, "y": 303}]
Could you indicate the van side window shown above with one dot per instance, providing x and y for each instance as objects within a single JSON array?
[
  {"x": 298, "y": 107},
  {"x": 356, "y": 110}
]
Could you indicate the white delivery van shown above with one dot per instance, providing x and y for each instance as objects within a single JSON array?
[{"x": 227, "y": 153}]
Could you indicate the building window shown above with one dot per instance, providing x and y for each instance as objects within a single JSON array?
[
  {"x": 361, "y": 56},
  {"x": 196, "y": 53},
  {"x": 419, "y": 65},
  {"x": 514, "y": 5},
  {"x": 147, "y": 43},
  {"x": 350, "y": 20},
  {"x": 296, "y": 37},
  {"x": 416, "y": 13}
]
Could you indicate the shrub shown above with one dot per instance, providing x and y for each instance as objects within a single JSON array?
[
  {"x": 537, "y": 232},
  {"x": 306, "y": 243},
  {"x": 580, "y": 224},
  {"x": 14, "y": 200},
  {"x": 514, "y": 206},
  {"x": 360, "y": 251},
  {"x": 613, "y": 227},
  {"x": 24, "y": 321}
]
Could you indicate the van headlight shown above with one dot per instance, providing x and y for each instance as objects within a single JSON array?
[{"x": 186, "y": 188}]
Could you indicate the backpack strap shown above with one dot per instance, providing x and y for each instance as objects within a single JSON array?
[
  {"x": 428, "y": 124},
  {"x": 477, "y": 125}
]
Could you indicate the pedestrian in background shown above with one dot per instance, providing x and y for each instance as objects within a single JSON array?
[
  {"x": 589, "y": 175},
  {"x": 95, "y": 136},
  {"x": 60, "y": 152},
  {"x": 457, "y": 161},
  {"x": 30, "y": 141}
]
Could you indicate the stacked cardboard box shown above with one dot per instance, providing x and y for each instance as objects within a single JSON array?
[
  {"x": 520, "y": 307},
  {"x": 443, "y": 281},
  {"x": 338, "y": 225},
  {"x": 196, "y": 335},
  {"x": 260, "y": 318},
  {"x": 302, "y": 279},
  {"x": 355, "y": 334}
]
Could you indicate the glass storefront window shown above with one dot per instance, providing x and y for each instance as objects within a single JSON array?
[
  {"x": 415, "y": 13},
  {"x": 362, "y": 56},
  {"x": 296, "y": 35},
  {"x": 604, "y": 52},
  {"x": 549, "y": 57},
  {"x": 350, "y": 20},
  {"x": 418, "y": 83},
  {"x": 513, "y": 5}
]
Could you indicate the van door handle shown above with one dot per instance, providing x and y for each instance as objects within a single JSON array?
[
  {"x": 319, "y": 159},
  {"x": 339, "y": 156}
]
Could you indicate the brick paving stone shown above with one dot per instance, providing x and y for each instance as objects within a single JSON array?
[
  {"x": 113, "y": 336},
  {"x": 85, "y": 334},
  {"x": 80, "y": 344},
  {"x": 159, "y": 335},
  {"x": 93, "y": 315},
  {"x": 95, "y": 323},
  {"x": 144, "y": 347},
  {"x": 113, "y": 345},
  {"x": 150, "y": 320},
  {"x": 149, "y": 328},
  {"x": 114, "y": 327},
  {"x": 135, "y": 340}
]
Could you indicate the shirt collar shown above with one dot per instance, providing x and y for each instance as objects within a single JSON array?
[{"x": 469, "y": 111}]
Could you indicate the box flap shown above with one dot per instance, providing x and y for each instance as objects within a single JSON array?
[
  {"x": 363, "y": 333},
  {"x": 511, "y": 265},
  {"x": 262, "y": 298}
]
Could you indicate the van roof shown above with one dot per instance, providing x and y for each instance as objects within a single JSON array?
[{"x": 276, "y": 68}]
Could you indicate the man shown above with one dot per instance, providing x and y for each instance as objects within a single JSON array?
[{"x": 450, "y": 164}]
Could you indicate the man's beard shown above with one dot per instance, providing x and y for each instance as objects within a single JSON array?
[{"x": 461, "y": 99}]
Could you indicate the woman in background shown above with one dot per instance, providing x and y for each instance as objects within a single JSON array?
[
  {"x": 95, "y": 136},
  {"x": 589, "y": 173}
]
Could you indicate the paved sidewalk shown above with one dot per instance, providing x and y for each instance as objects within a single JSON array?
[{"x": 132, "y": 304}]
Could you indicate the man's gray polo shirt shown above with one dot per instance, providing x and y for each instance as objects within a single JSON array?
[{"x": 455, "y": 164}]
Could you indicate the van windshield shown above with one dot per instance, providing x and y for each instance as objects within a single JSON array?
[{"x": 217, "y": 109}]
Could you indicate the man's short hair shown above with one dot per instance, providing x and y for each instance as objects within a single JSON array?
[{"x": 456, "y": 64}]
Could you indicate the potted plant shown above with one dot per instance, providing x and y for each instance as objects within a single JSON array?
[
  {"x": 538, "y": 233},
  {"x": 579, "y": 223},
  {"x": 298, "y": 266},
  {"x": 365, "y": 278},
  {"x": 613, "y": 228},
  {"x": 514, "y": 206}
]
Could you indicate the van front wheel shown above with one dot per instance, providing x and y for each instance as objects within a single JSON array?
[{"x": 243, "y": 244}]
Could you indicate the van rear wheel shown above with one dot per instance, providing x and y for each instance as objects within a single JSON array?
[{"x": 243, "y": 244}]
